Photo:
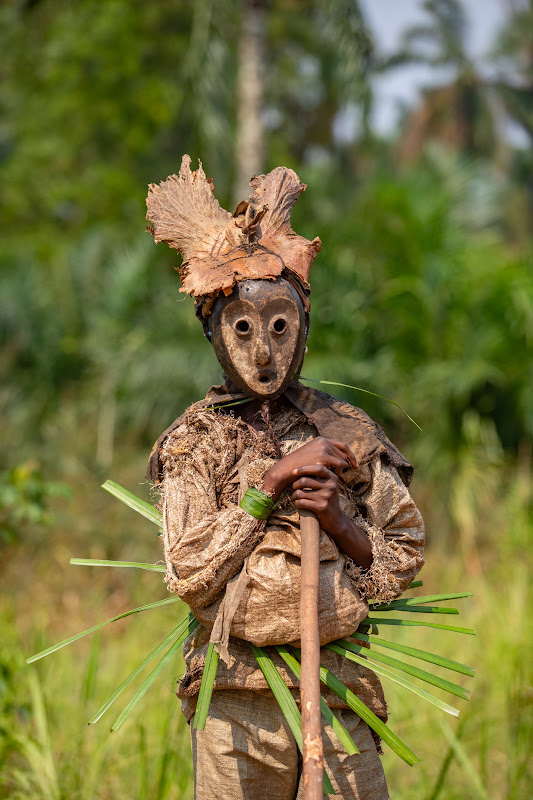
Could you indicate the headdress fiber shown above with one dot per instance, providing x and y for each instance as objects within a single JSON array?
[{"x": 219, "y": 248}]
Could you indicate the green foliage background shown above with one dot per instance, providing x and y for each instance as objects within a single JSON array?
[{"x": 423, "y": 293}]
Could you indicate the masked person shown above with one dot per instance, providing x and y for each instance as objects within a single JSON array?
[{"x": 286, "y": 448}]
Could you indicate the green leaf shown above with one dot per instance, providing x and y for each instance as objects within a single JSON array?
[
  {"x": 415, "y": 585},
  {"x": 280, "y": 691},
  {"x": 143, "y": 688},
  {"x": 416, "y": 672},
  {"x": 98, "y": 562},
  {"x": 227, "y": 405},
  {"x": 423, "y": 655},
  {"x": 357, "y": 705},
  {"x": 132, "y": 501},
  {"x": 55, "y": 647},
  {"x": 286, "y": 701},
  {"x": 184, "y": 625},
  {"x": 366, "y": 391},
  {"x": 395, "y": 678},
  {"x": 341, "y": 732},
  {"x": 417, "y": 601},
  {"x": 406, "y": 623},
  {"x": 206, "y": 687},
  {"x": 413, "y": 609}
]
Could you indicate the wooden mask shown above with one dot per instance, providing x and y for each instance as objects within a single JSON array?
[{"x": 258, "y": 333}]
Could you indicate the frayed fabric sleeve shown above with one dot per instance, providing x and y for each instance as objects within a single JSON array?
[
  {"x": 396, "y": 531},
  {"x": 206, "y": 536}
]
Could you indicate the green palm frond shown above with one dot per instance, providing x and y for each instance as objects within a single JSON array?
[
  {"x": 143, "y": 688},
  {"x": 406, "y": 684},
  {"x": 206, "y": 687},
  {"x": 134, "y": 502},
  {"x": 342, "y": 734},
  {"x": 286, "y": 701},
  {"x": 406, "y": 623},
  {"x": 415, "y": 652},
  {"x": 77, "y": 636},
  {"x": 357, "y": 705},
  {"x": 350, "y": 649},
  {"x": 98, "y": 562},
  {"x": 412, "y": 601},
  {"x": 186, "y": 627}
]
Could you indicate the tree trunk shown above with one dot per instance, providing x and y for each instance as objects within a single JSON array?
[{"x": 249, "y": 152}]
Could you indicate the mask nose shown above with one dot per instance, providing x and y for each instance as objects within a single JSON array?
[{"x": 262, "y": 354}]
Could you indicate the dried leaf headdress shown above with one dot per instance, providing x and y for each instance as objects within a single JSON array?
[{"x": 218, "y": 248}]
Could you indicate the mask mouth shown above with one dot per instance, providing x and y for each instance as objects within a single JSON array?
[{"x": 265, "y": 379}]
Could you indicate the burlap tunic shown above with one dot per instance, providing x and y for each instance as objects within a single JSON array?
[{"x": 214, "y": 550}]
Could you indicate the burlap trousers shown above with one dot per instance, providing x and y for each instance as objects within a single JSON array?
[{"x": 247, "y": 752}]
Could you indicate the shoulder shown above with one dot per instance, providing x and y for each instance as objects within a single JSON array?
[
  {"x": 196, "y": 431},
  {"x": 207, "y": 441},
  {"x": 337, "y": 419}
]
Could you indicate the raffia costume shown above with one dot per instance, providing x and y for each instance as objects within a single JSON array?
[{"x": 241, "y": 576}]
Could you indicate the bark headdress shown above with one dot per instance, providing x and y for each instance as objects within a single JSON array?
[{"x": 219, "y": 248}]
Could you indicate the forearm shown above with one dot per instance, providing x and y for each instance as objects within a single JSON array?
[
  {"x": 353, "y": 542},
  {"x": 395, "y": 530},
  {"x": 204, "y": 545},
  {"x": 277, "y": 478}
]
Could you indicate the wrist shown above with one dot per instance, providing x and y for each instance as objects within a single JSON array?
[
  {"x": 257, "y": 503},
  {"x": 343, "y": 531},
  {"x": 275, "y": 481}
]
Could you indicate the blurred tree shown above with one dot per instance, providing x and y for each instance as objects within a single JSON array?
[
  {"x": 318, "y": 63},
  {"x": 110, "y": 332},
  {"x": 425, "y": 304},
  {"x": 514, "y": 59},
  {"x": 100, "y": 98},
  {"x": 250, "y": 134},
  {"x": 458, "y": 114},
  {"x": 513, "y": 85}
]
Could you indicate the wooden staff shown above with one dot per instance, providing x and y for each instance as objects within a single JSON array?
[{"x": 313, "y": 755}]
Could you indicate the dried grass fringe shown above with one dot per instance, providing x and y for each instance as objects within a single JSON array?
[{"x": 378, "y": 582}]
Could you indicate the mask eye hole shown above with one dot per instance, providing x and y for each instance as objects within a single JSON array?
[
  {"x": 242, "y": 326},
  {"x": 279, "y": 325}
]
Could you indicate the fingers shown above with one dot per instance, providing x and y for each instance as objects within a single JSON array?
[
  {"x": 318, "y": 470},
  {"x": 337, "y": 452},
  {"x": 315, "y": 482},
  {"x": 329, "y": 453},
  {"x": 318, "y": 504},
  {"x": 346, "y": 453},
  {"x": 318, "y": 489}
]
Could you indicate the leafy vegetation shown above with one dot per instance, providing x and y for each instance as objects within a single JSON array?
[{"x": 423, "y": 293}]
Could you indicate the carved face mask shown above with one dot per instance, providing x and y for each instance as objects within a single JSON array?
[{"x": 258, "y": 334}]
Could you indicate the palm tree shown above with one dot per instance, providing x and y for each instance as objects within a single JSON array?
[
  {"x": 459, "y": 113},
  {"x": 513, "y": 55}
]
